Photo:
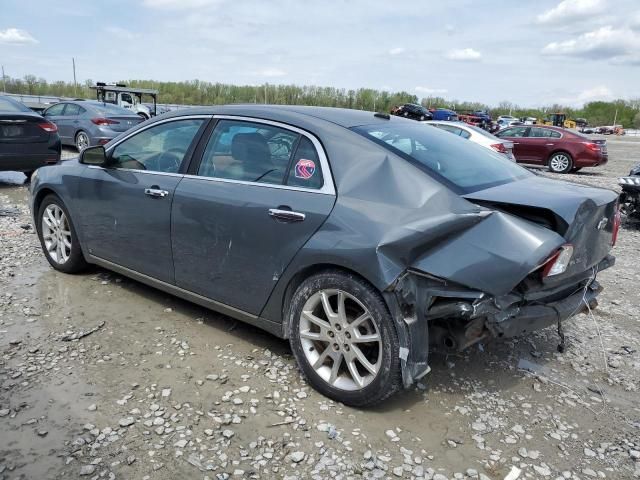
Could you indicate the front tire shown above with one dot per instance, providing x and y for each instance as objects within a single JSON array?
[
  {"x": 560, "y": 162},
  {"x": 58, "y": 236},
  {"x": 344, "y": 339}
]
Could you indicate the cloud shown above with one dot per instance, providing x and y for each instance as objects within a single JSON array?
[
  {"x": 464, "y": 55},
  {"x": 431, "y": 91},
  {"x": 121, "y": 33},
  {"x": 572, "y": 10},
  {"x": 598, "y": 93},
  {"x": 180, "y": 4},
  {"x": 15, "y": 36},
  {"x": 272, "y": 72},
  {"x": 606, "y": 43},
  {"x": 396, "y": 51}
]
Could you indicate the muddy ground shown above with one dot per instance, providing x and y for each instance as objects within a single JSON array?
[{"x": 163, "y": 389}]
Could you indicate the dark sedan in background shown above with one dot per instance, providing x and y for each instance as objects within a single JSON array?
[
  {"x": 85, "y": 123},
  {"x": 27, "y": 140},
  {"x": 358, "y": 236},
  {"x": 561, "y": 150}
]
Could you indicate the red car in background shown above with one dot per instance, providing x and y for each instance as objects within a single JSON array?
[{"x": 561, "y": 150}]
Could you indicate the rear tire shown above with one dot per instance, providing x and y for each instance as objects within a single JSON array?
[
  {"x": 357, "y": 338},
  {"x": 560, "y": 162},
  {"x": 82, "y": 141},
  {"x": 58, "y": 237}
]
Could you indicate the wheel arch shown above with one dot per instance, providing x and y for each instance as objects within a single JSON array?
[
  {"x": 560, "y": 150},
  {"x": 305, "y": 272},
  {"x": 37, "y": 201}
]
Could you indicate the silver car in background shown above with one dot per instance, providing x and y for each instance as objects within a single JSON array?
[
  {"x": 88, "y": 123},
  {"x": 477, "y": 135}
]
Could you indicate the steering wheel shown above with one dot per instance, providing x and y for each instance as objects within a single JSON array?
[{"x": 169, "y": 161}]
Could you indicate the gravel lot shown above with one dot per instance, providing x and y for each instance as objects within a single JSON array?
[{"x": 162, "y": 389}]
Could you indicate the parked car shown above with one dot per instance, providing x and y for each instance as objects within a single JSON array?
[
  {"x": 357, "y": 236},
  {"x": 444, "y": 114},
  {"x": 87, "y": 123},
  {"x": 27, "y": 140},
  {"x": 507, "y": 122},
  {"x": 477, "y": 135},
  {"x": 561, "y": 150},
  {"x": 412, "y": 111}
]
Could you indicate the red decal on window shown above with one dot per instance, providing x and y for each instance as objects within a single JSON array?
[{"x": 305, "y": 169}]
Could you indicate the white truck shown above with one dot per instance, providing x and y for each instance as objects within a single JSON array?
[{"x": 125, "y": 97}]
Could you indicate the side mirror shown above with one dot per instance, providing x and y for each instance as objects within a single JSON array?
[{"x": 94, "y": 156}]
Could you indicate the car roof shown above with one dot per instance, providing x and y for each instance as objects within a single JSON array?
[{"x": 343, "y": 117}]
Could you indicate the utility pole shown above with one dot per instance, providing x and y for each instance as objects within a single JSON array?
[
  {"x": 615, "y": 118},
  {"x": 75, "y": 83},
  {"x": 4, "y": 83},
  {"x": 265, "y": 93}
]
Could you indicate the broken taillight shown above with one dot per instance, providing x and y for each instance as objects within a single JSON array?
[
  {"x": 499, "y": 147},
  {"x": 558, "y": 262},
  {"x": 616, "y": 226}
]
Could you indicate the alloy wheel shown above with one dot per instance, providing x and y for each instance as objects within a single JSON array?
[
  {"x": 56, "y": 234},
  {"x": 340, "y": 339},
  {"x": 560, "y": 162},
  {"x": 82, "y": 141}
]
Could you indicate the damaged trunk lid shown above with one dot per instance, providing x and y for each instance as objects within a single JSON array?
[{"x": 584, "y": 216}]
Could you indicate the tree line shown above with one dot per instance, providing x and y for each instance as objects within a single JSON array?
[{"x": 198, "y": 92}]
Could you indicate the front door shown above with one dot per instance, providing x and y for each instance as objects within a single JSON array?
[
  {"x": 258, "y": 194},
  {"x": 518, "y": 136},
  {"x": 55, "y": 114},
  {"x": 126, "y": 208}
]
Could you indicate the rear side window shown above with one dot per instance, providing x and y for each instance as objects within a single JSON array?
[
  {"x": 464, "y": 166},
  {"x": 305, "y": 171},
  {"x": 73, "y": 110},
  {"x": 249, "y": 152},
  {"x": 537, "y": 132}
]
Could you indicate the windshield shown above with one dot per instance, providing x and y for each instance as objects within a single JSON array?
[
  {"x": 7, "y": 105},
  {"x": 108, "y": 109},
  {"x": 464, "y": 166}
]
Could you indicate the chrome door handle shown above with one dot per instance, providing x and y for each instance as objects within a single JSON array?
[
  {"x": 155, "y": 192},
  {"x": 550, "y": 144},
  {"x": 286, "y": 215}
]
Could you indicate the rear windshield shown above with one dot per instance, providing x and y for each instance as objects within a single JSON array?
[
  {"x": 108, "y": 109},
  {"x": 7, "y": 105},
  {"x": 462, "y": 165}
]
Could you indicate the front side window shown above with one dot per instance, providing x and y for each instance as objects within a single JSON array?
[
  {"x": 161, "y": 148},
  {"x": 464, "y": 166},
  {"x": 250, "y": 152},
  {"x": 513, "y": 132},
  {"x": 56, "y": 109}
]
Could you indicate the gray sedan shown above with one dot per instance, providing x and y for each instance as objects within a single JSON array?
[
  {"x": 87, "y": 123},
  {"x": 360, "y": 237}
]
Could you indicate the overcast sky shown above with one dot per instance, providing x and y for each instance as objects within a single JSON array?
[{"x": 529, "y": 53}]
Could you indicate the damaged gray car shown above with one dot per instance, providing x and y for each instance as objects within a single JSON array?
[{"x": 361, "y": 238}]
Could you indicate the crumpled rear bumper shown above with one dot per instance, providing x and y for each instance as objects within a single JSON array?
[
  {"x": 535, "y": 317},
  {"x": 427, "y": 308}
]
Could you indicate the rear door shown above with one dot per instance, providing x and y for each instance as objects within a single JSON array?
[
  {"x": 258, "y": 193},
  {"x": 126, "y": 208},
  {"x": 70, "y": 121}
]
